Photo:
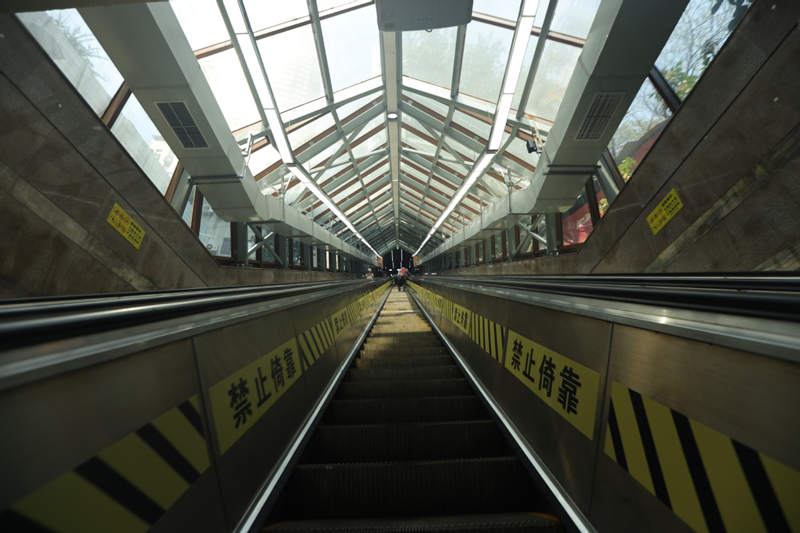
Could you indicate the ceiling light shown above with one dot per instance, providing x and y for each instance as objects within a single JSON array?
[{"x": 392, "y": 115}]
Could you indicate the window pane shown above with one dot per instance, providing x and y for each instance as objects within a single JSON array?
[
  {"x": 555, "y": 69},
  {"x": 352, "y": 47},
  {"x": 430, "y": 103},
  {"x": 226, "y": 79},
  {"x": 187, "y": 211},
  {"x": 201, "y": 22},
  {"x": 290, "y": 58},
  {"x": 215, "y": 233},
  {"x": 73, "y": 48},
  {"x": 267, "y": 14},
  {"x": 428, "y": 55},
  {"x": 486, "y": 51},
  {"x": 507, "y": 9},
  {"x": 308, "y": 131},
  {"x": 576, "y": 223},
  {"x": 701, "y": 31},
  {"x": 477, "y": 127},
  {"x": 262, "y": 158},
  {"x": 639, "y": 129},
  {"x": 574, "y": 17},
  {"x": 140, "y": 137}
]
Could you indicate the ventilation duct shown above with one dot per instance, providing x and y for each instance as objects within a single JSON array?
[
  {"x": 406, "y": 15},
  {"x": 183, "y": 125},
  {"x": 597, "y": 118}
]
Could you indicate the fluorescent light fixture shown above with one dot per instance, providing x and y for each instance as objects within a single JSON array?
[
  {"x": 279, "y": 134},
  {"x": 484, "y": 160},
  {"x": 522, "y": 36},
  {"x": 529, "y": 8},
  {"x": 235, "y": 15},
  {"x": 392, "y": 115},
  {"x": 301, "y": 174},
  {"x": 500, "y": 119}
]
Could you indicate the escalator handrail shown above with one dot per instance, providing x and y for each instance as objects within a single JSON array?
[
  {"x": 49, "y": 319},
  {"x": 773, "y": 297}
]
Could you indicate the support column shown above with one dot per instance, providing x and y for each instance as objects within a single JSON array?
[
  {"x": 239, "y": 242},
  {"x": 554, "y": 232}
]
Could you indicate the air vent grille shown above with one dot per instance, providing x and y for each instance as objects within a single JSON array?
[
  {"x": 182, "y": 123},
  {"x": 600, "y": 112}
]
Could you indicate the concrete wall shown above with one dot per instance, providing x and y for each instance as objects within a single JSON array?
[
  {"x": 61, "y": 171},
  {"x": 732, "y": 152}
]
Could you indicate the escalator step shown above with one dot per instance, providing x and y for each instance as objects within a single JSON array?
[
  {"x": 404, "y": 372},
  {"x": 410, "y": 441},
  {"x": 495, "y": 523},
  {"x": 402, "y": 349},
  {"x": 378, "y": 411},
  {"x": 433, "y": 360},
  {"x": 403, "y": 388},
  {"x": 397, "y": 489}
]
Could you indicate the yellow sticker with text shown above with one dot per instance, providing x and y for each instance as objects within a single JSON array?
[
  {"x": 239, "y": 400},
  {"x": 568, "y": 387},
  {"x": 124, "y": 224},
  {"x": 664, "y": 211}
]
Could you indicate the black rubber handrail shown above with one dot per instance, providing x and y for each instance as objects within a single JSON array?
[
  {"x": 764, "y": 296},
  {"x": 36, "y": 321}
]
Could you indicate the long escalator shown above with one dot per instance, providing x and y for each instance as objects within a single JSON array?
[{"x": 406, "y": 445}]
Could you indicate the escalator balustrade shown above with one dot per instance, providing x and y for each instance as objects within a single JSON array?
[{"x": 406, "y": 445}]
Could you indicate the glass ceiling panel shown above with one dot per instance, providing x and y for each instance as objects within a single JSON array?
[
  {"x": 430, "y": 103},
  {"x": 555, "y": 69},
  {"x": 294, "y": 76},
  {"x": 479, "y": 127},
  {"x": 304, "y": 134},
  {"x": 324, "y": 5},
  {"x": 371, "y": 144},
  {"x": 383, "y": 169},
  {"x": 574, "y": 17},
  {"x": 201, "y": 22},
  {"x": 460, "y": 148},
  {"x": 416, "y": 143},
  {"x": 267, "y": 14},
  {"x": 507, "y": 9},
  {"x": 226, "y": 79},
  {"x": 429, "y": 55},
  {"x": 414, "y": 123},
  {"x": 346, "y": 110},
  {"x": 323, "y": 156},
  {"x": 262, "y": 158},
  {"x": 352, "y": 47},
  {"x": 485, "y": 55}
]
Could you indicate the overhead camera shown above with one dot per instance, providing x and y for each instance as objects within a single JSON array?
[{"x": 532, "y": 146}]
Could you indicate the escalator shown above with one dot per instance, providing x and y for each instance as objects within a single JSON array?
[{"x": 406, "y": 445}]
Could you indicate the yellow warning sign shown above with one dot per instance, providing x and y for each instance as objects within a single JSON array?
[
  {"x": 712, "y": 482},
  {"x": 568, "y": 387},
  {"x": 664, "y": 211},
  {"x": 239, "y": 400},
  {"x": 124, "y": 224}
]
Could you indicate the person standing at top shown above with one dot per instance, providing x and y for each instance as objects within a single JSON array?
[{"x": 402, "y": 276}]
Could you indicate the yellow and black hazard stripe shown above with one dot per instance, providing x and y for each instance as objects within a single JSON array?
[
  {"x": 489, "y": 335},
  {"x": 313, "y": 342},
  {"x": 127, "y": 486},
  {"x": 712, "y": 482}
]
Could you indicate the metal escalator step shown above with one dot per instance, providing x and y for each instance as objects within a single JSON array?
[
  {"x": 434, "y": 360},
  {"x": 409, "y": 441},
  {"x": 400, "y": 348},
  {"x": 475, "y": 523},
  {"x": 400, "y": 353},
  {"x": 388, "y": 410},
  {"x": 417, "y": 488},
  {"x": 403, "y": 372},
  {"x": 403, "y": 388}
]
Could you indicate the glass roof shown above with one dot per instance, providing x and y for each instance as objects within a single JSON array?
[{"x": 325, "y": 67}]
